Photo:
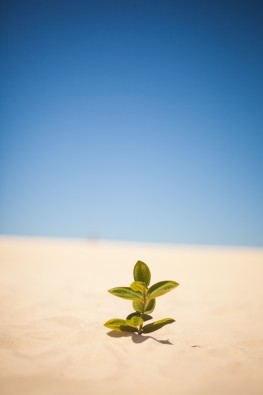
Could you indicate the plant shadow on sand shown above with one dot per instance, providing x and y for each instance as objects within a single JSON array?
[{"x": 137, "y": 338}]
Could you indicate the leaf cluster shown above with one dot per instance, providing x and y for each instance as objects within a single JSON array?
[{"x": 143, "y": 300}]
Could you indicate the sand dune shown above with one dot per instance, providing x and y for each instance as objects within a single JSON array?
[{"x": 54, "y": 301}]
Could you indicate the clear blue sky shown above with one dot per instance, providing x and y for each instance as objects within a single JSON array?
[{"x": 132, "y": 120}]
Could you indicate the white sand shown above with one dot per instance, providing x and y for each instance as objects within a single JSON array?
[{"x": 54, "y": 301}]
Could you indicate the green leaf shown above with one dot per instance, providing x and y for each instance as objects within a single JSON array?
[
  {"x": 134, "y": 314},
  {"x": 149, "y": 307},
  {"x": 137, "y": 305},
  {"x": 115, "y": 324},
  {"x": 119, "y": 325},
  {"x": 134, "y": 322},
  {"x": 125, "y": 293},
  {"x": 138, "y": 286},
  {"x": 157, "y": 325},
  {"x": 142, "y": 273},
  {"x": 127, "y": 328},
  {"x": 161, "y": 288},
  {"x": 145, "y": 317}
]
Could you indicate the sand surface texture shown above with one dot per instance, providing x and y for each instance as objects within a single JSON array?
[{"x": 54, "y": 301}]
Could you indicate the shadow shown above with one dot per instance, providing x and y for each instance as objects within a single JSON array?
[{"x": 137, "y": 338}]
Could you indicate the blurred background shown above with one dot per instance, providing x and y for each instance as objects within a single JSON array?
[{"x": 132, "y": 120}]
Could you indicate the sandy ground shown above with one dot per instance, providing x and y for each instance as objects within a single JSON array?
[{"x": 54, "y": 301}]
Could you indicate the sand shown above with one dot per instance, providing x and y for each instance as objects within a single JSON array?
[{"x": 54, "y": 301}]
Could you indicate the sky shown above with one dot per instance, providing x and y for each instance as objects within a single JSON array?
[{"x": 132, "y": 120}]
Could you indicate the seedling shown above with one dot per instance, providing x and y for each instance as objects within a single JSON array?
[{"x": 143, "y": 302}]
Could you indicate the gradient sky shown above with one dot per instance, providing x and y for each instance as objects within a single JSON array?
[{"x": 132, "y": 120}]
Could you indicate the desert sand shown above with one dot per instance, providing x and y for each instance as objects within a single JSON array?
[{"x": 54, "y": 302}]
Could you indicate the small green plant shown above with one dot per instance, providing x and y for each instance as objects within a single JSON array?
[{"x": 143, "y": 302}]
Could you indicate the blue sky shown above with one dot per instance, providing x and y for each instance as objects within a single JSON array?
[{"x": 132, "y": 120}]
